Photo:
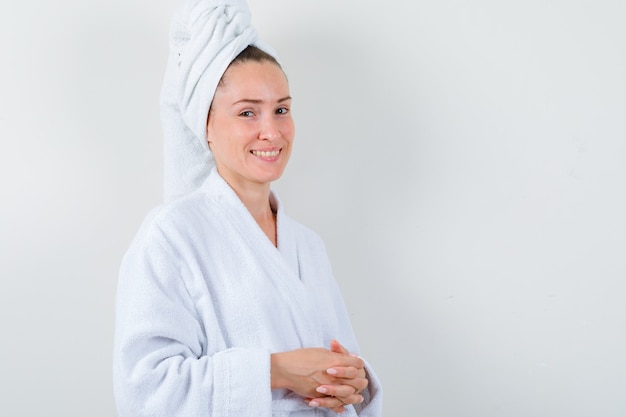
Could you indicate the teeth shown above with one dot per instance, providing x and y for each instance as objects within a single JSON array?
[{"x": 264, "y": 154}]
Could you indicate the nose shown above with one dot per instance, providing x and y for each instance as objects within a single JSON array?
[{"x": 269, "y": 129}]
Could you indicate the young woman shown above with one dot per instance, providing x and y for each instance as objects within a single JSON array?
[{"x": 226, "y": 306}]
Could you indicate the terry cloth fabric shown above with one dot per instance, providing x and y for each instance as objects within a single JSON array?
[
  {"x": 205, "y": 36},
  {"x": 204, "y": 298}
]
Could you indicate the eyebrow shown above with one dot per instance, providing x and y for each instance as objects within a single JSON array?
[{"x": 257, "y": 101}]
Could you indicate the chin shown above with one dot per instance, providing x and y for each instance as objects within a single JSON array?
[{"x": 265, "y": 177}]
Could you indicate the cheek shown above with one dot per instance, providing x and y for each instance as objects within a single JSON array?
[
  {"x": 289, "y": 131},
  {"x": 223, "y": 135}
]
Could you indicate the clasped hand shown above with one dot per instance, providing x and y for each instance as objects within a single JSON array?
[{"x": 329, "y": 378}]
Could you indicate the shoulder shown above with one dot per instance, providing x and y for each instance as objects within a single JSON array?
[{"x": 173, "y": 223}]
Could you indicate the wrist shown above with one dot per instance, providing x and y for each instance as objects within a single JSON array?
[{"x": 278, "y": 379}]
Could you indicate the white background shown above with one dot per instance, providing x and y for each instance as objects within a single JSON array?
[{"x": 464, "y": 162}]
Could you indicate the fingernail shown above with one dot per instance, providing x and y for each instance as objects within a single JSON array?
[
  {"x": 322, "y": 390},
  {"x": 314, "y": 403},
  {"x": 361, "y": 399},
  {"x": 332, "y": 371}
]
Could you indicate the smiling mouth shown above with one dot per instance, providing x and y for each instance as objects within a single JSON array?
[{"x": 266, "y": 154}]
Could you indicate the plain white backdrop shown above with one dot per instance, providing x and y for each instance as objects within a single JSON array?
[{"x": 465, "y": 163}]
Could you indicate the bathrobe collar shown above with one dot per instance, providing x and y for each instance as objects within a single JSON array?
[{"x": 282, "y": 263}]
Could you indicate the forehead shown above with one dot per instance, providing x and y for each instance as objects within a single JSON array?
[{"x": 253, "y": 76}]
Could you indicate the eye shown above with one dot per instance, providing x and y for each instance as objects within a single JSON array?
[
  {"x": 246, "y": 113},
  {"x": 282, "y": 110}
]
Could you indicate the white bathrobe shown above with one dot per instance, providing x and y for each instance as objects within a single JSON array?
[{"x": 204, "y": 298}]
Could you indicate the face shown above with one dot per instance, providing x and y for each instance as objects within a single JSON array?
[{"x": 250, "y": 129}]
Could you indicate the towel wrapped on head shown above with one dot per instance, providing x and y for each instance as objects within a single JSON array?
[{"x": 205, "y": 36}]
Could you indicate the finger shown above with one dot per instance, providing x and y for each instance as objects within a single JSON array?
[
  {"x": 333, "y": 403},
  {"x": 336, "y": 390},
  {"x": 351, "y": 399},
  {"x": 358, "y": 383},
  {"x": 337, "y": 347},
  {"x": 349, "y": 372}
]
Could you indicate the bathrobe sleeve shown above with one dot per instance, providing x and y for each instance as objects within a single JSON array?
[
  {"x": 160, "y": 363},
  {"x": 372, "y": 396}
]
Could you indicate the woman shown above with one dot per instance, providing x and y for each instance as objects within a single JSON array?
[{"x": 226, "y": 306}]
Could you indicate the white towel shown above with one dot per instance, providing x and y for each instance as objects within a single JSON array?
[{"x": 205, "y": 36}]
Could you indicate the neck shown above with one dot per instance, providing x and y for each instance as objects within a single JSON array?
[
  {"x": 256, "y": 198},
  {"x": 258, "y": 203}
]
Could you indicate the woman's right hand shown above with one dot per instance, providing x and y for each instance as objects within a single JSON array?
[
  {"x": 354, "y": 380},
  {"x": 325, "y": 378}
]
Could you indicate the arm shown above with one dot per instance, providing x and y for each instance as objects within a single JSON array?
[{"x": 161, "y": 365}]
